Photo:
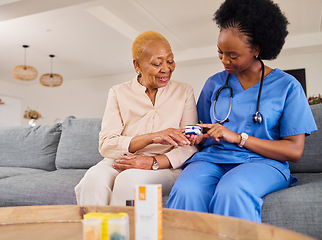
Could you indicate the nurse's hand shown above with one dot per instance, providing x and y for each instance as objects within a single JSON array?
[{"x": 220, "y": 133}]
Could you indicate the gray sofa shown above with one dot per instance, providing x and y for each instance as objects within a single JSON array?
[{"x": 41, "y": 166}]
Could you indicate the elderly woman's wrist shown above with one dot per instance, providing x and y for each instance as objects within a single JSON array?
[
  {"x": 151, "y": 138},
  {"x": 147, "y": 138}
]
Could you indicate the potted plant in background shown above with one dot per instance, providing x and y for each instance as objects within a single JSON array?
[
  {"x": 315, "y": 99},
  {"x": 32, "y": 115}
]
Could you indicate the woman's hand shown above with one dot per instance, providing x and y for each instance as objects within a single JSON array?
[
  {"x": 220, "y": 133},
  {"x": 195, "y": 139},
  {"x": 133, "y": 161},
  {"x": 170, "y": 136},
  {"x": 289, "y": 148}
]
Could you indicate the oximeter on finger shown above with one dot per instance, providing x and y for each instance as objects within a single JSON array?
[{"x": 193, "y": 130}]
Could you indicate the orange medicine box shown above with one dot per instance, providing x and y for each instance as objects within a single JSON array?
[{"x": 148, "y": 212}]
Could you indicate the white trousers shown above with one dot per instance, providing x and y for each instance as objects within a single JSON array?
[{"x": 103, "y": 185}]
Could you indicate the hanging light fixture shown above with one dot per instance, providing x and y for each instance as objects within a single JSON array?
[
  {"x": 51, "y": 79},
  {"x": 24, "y": 72}
]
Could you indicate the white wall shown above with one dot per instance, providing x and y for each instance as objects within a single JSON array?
[
  {"x": 311, "y": 61},
  {"x": 10, "y": 111},
  {"x": 196, "y": 75},
  {"x": 12, "y": 89},
  {"x": 13, "y": 95},
  {"x": 86, "y": 98}
]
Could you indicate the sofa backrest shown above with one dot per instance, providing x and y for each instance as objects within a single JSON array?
[
  {"x": 78, "y": 145},
  {"x": 29, "y": 147},
  {"x": 311, "y": 160}
]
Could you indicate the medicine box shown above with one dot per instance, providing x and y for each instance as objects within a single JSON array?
[
  {"x": 148, "y": 212},
  {"x": 110, "y": 227}
]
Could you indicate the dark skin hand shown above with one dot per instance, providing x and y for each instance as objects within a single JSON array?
[
  {"x": 133, "y": 161},
  {"x": 289, "y": 148},
  {"x": 140, "y": 162},
  {"x": 170, "y": 136}
]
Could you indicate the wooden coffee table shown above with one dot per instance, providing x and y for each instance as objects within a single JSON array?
[{"x": 64, "y": 222}]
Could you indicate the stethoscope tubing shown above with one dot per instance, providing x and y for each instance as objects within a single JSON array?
[
  {"x": 231, "y": 100},
  {"x": 257, "y": 117}
]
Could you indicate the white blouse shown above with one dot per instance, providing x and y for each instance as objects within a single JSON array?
[{"x": 129, "y": 112}]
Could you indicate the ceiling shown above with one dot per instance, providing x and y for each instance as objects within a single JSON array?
[{"x": 94, "y": 38}]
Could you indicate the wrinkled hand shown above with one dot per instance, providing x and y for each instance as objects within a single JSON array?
[
  {"x": 170, "y": 136},
  {"x": 220, "y": 133},
  {"x": 133, "y": 161}
]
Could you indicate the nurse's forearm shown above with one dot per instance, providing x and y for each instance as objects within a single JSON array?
[{"x": 288, "y": 149}]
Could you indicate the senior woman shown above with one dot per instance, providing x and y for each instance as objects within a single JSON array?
[{"x": 141, "y": 138}]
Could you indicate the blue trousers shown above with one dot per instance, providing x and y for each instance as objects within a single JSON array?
[{"x": 234, "y": 190}]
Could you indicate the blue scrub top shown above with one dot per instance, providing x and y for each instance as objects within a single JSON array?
[{"x": 283, "y": 105}]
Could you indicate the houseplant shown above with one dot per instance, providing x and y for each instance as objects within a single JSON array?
[
  {"x": 316, "y": 99},
  {"x": 32, "y": 115}
]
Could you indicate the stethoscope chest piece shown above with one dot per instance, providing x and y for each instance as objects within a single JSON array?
[{"x": 258, "y": 118}]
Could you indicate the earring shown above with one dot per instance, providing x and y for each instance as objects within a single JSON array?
[{"x": 139, "y": 73}]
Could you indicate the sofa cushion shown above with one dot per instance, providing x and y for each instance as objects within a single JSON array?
[
  {"x": 78, "y": 146},
  {"x": 16, "y": 171},
  {"x": 311, "y": 158},
  {"x": 29, "y": 147},
  {"x": 50, "y": 188},
  {"x": 298, "y": 208}
]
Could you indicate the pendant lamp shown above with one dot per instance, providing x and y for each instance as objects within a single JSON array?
[
  {"x": 24, "y": 72},
  {"x": 51, "y": 79}
]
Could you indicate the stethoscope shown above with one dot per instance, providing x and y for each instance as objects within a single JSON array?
[{"x": 257, "y": 117}]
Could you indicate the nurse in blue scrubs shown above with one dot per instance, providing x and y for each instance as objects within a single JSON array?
[{"x": 256, "y": 118}]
